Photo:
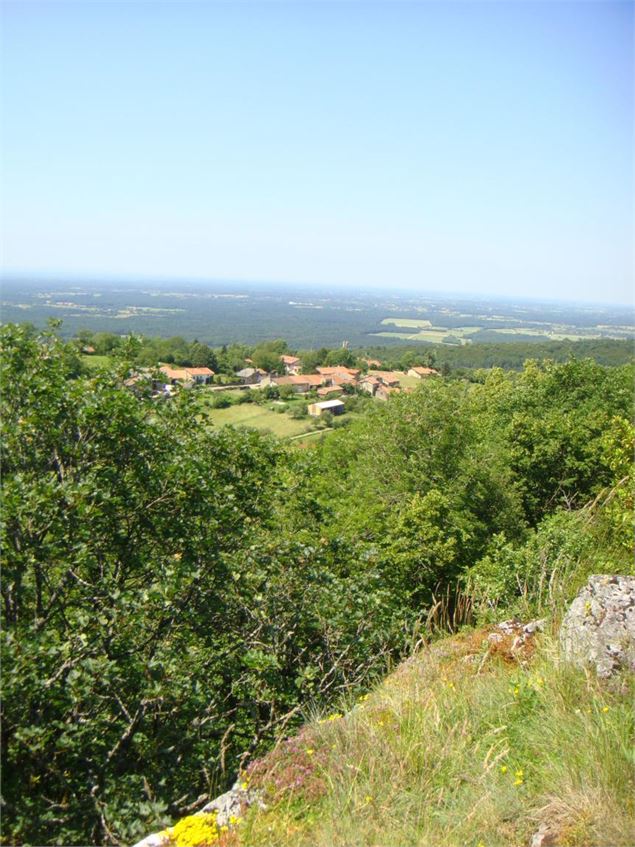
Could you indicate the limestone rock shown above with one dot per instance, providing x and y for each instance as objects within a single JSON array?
[
  {"x": 232, "y": 803},
  {"x": 599, "y": 627}
]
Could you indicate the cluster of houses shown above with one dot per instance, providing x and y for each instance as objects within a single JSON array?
[
  {"x": 331, "y": 380},
  {"x": 326, "y": 382}
]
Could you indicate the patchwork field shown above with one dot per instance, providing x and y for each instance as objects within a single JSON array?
[{"x": 493, "y": 329}]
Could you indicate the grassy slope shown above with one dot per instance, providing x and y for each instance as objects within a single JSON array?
[
  {"x": 460, "y": 746},
  {"x": 260, "y": 417}
]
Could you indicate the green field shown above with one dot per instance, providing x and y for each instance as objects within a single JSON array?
[
  {"x": 407, "y": 322},
  {"x": 260, "y": 417}
]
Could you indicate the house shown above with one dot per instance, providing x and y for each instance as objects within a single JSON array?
[
  {"x": 383, "y": 392},
  {"x": 251, "y": 376},
  {"x": 422, "y": 373},
  {"x": 340, "y": 370},
  {"x": 174, "y": 375},
  {"x": 373, "y": 363},
  {"x": 292, "y": 365},
  {"x": 390, "y": 378},
  {"x": 301, "y": 384},
  {"x": 200, "y": 376},
  {"x": 89, "y": 350},
  {"x": 341, "y": 379},
  {"x": 369, "y": 384},
  {"x": 335, "y": 407},
  {"x": 325, "y": 390}
]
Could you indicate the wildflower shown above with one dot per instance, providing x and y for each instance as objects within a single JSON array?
[
  {"x": 334, "y": 717},
  {"x": 519, "y": 777},
  {"x": 605, "y": 708},
  {"x": 368, "y": 799},
  {"x": 503, "y": 768},
  {"x": 244, "y": 785},
  {"x": 234, "y": 820},
  {"x": 516, "y": 690},
  {"x": 362, "y": 698},
  {"x": 518, "y": 781},
  {"x": 380, "y": 723},
  {"x": 587, "y": 607},
  {"x": 224, "y": 829},
  {"x": 310, "y": 751}
]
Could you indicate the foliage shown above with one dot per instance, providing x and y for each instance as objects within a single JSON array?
[
  {"x": 156, "y": 626},
  {"x": 174, "y": 594}
]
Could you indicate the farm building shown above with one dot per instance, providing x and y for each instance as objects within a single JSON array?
[
  {"x": 328, "y": 389},
  {"x": 301, "y": 384},
  {"x": 387, "y": 377},
  {"x": 422, "y": 373},
  {"x": 335, "y": 407}
]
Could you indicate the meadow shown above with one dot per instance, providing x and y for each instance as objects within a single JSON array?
[{"x": 262, "y": 418}]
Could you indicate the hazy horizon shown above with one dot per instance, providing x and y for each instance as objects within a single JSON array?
[{"x": 261, "y": 285}]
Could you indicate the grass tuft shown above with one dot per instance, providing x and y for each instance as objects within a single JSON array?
[{"x": 462, "y": 745}]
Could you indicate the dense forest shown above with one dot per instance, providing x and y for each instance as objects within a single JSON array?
[{"x": 174, "y": 596}]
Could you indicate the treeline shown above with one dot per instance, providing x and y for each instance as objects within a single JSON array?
[
  {"x": 510, "y": 355},
  {"x": 266, "y": 355},
  {"x": 174, "y": 595}
]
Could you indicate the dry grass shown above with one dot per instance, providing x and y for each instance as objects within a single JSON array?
[{"x": 462, "y": 745}]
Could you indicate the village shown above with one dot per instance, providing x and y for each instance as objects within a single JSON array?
[{"x": 326, "y": 384}]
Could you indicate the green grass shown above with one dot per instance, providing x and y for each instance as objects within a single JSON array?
[
  {"x": 461, "y": 747},
  {"x": 260, "y": 417},
  {"x": 95, "y": 361}
]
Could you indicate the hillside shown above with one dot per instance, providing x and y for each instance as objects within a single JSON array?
[
  {"x": 177, "y": 597},
  {"x": 488, "y": 737}
]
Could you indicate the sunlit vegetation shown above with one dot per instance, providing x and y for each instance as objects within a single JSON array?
[{"x": 177, "y": 596}]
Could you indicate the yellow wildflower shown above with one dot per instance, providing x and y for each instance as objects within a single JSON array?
[
  {"x": 195, "y": 831},
  {"x": 310, "y": 751},
  {"x": 605, "y": 708},
  {"x": 503, "y": 768},
  {"x": 244, "y": 785},
  {"x": 234, "y": 820}
]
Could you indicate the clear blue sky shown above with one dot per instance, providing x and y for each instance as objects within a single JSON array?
[{"x": 473, "y": 147}]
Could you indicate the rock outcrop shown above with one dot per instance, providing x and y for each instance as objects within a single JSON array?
[
  {"x": 599, "y": 628},
  {"x": 228, "y": 807}
]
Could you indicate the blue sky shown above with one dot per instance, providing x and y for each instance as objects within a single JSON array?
[{"x": 473, "y": 147}]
